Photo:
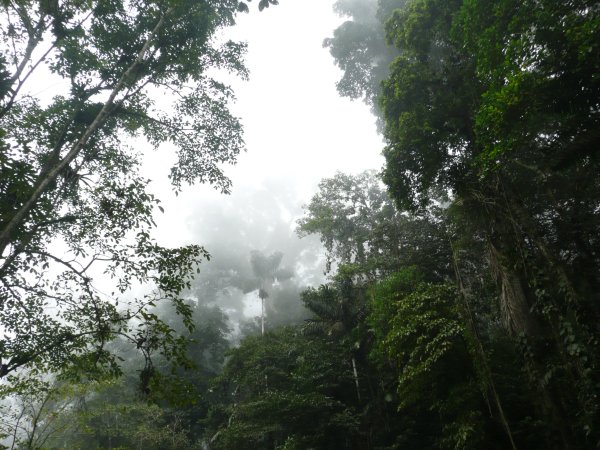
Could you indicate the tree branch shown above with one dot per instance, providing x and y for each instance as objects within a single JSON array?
[
  {"x": 34, "y": 40},
  {"x": 102, "y": 116},
  {"x": 21, "y": 247}
]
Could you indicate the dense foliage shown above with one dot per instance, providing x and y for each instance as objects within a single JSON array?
[
  {"x": 461, "y": 305},
  {"x": 500, "y": 111}
]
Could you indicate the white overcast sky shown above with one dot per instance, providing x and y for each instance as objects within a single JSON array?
[{"x": 297, "y": 128}]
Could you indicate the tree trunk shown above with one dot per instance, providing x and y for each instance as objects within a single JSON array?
[
  {"x": 355, "y": 372},
  {"x": 482, "y": 356},
  {"x": 539, "y": 336},
  {"x": 514, "y": 305},
  {"x": 262, "y": 316}
]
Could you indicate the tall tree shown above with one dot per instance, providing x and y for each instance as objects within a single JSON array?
[
  {"x": 359, "y": 225},
  {"x": 266, "y": 270},
  {"x": 359, "y": 48},
  {"x": 73, "y": 203},
  {"x": 500, "y": 110}
]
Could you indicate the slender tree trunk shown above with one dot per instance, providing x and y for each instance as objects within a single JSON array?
[
  {"x": 355, "y": 372},
  {"x": 262, "y": 316}
]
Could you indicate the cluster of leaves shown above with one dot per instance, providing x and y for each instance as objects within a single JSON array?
[
  {"x": 285, "y": 386},
  {"x": 359, "y": 49},
  {"x": 360, "y": 227},
  {"x": 262, "y": 4}
]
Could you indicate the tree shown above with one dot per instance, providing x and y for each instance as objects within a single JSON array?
[
  {"x": 184, "y": 393},
  {"x": 32, "y": 418},
  {"x": 266, "y": 270},
  {"x": 73, "y": 202},
  {"x": 421, "y": 338},
  {"x": 359, "y": 225},
  {"x": 304, "y": 401},
  {"x": 232, "y": 229},
  {"x": 359, "y": 48},
  {"x": 495, "y": 104},
  {"x": 111, "y": 415},
  {"x": 369, "y": 240}
]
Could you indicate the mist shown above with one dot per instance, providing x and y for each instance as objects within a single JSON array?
[{"x": 255, "y": 220}]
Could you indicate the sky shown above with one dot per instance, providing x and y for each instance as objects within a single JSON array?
[{"x": 297, "y": 128}]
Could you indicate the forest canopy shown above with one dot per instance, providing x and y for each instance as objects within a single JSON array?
[{"x": 460, "y": 308}]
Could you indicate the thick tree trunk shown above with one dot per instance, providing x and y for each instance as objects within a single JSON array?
[
  {"x": 514, "y": 304},
  {"x": 516, "y": 301},
  {"x": 481, "y": 354}
]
